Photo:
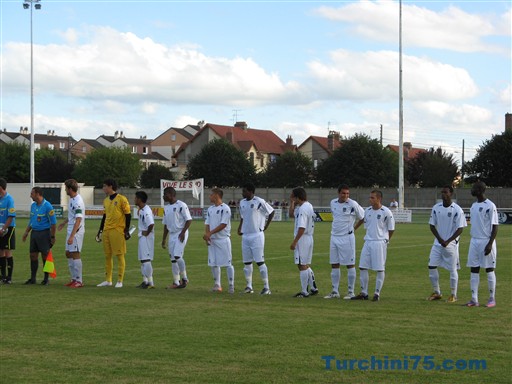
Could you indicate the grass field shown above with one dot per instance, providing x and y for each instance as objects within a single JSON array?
[{"x": 106, "y": 335}]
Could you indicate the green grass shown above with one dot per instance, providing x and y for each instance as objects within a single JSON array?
[{"x": 92, "y": 335}]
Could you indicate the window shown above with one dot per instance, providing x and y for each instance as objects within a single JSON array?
[
  {"x": 51, "y": 146},
  {"x": 251, "y": 157},
  {"x": 84, "y": 149},
  {"x": 134, "y": 149},
  {"x": 173, "y": 137},
  {"x": 37, "y": 146},
  {"x": 145, "y": 150},
  {"x": 62, "y": 145}
]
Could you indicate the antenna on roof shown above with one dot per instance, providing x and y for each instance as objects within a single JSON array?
[{"x": 235, "y": 115}]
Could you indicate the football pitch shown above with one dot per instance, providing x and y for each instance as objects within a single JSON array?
[{"x": 128, "y": 335}]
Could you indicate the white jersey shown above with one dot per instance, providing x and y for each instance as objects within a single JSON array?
[
  {"x": 378, "y": 223},
  {"x": 483, "y": 216},
  {"x": 146, "y": 219},
  {"x": 175, "y": 216},
  {"x": 344, "y": 216},
  {"x": 447, "y": 220},
  {"x": 219, "y": 214},
  {"x": 304, "y": 218},
  {"x": 76, "y": 209},
  {"x": 254, "y": 213}
]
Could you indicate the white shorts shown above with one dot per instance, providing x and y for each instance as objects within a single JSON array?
[
  {"x": 219, "y": 253},
  {"x": 303, "y": 253},
  {"x": 476, "y": 254},
  {"x": 448, "y": 257},
  {"x": 78, "y": 241},
  {"x": 373, "y": 255},
  {"x": 253, "y": 245},
  {"x": 175, "y": 246},
  {"x": 146, "y": 247},
  {"x": 343, "y": 250}
]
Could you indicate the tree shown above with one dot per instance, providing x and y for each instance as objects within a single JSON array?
[
  {"x": 288, "y": 170},
  {"x": 15, "y": 162},
  {"x": 432, "y": 168},
  {"x": 52, "y": 165},
  {"x": 150, "y": 178},
  {"x": 221, "y": 164},
  {"x": 493, "y": 162},
  {"x": 359, "y": 162},
  {"x": 117, "y": 163}
]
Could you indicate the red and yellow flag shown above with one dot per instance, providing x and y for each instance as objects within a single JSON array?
[{"x": 49, "y": 266}]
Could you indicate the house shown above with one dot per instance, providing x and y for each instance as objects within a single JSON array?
[
  {"x": 409, "y": 151},
  {"x": 261, "y": 146},
  {"x": 168, "y": 143},
  {"x": 49, "y": 140},
  {"x": 319, "y": 148}
]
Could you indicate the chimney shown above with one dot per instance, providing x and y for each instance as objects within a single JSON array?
[
  {"x": 289, "y": 140},
  {"x": 408, "y": 145},
  {"x": 121, "y": 135},
  {"x": 241, "y": 124},
  {"x": 116, "y": 134},
  {"x": 332, "y": 139},
  {"x": 48, "y": 133},
  {"x": 53, "y": 133},
  {"x": 508, "y": 122},
  {"x": 21, "y": 129},
  {"x": 25, "y": 130}
]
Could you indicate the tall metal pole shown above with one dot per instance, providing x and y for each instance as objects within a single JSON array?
[
  {"x": 31, "y": 4},
  {"x": 400, "y": 121},
  {"x": 32, "y": 143}
]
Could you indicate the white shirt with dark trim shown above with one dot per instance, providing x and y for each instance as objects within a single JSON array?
[
  {"x": 254, "y": 212},
  {"x": 447, "y": 220},
  {"x": 484, "y": 216},
  {"x": 378, "y": 223}
]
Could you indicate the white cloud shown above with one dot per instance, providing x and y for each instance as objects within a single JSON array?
[
  {"x": 451, "y": 28},
  {"x": 374, "y": 76}
]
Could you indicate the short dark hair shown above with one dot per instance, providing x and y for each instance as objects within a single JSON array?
[
  {"x": 378, "y": 193},
  {"x": 300, "y": 193},
  {"x": 170, "y": 190},
  {"x": 449, "y": 187},
  {"x": 3, "y": 183},
  {"x": 111, "y": 183},
  {"x": 341, "y": 187},
  {"x": 38, "y": 190},
  {"x": 250, "y": 187},
  {"x": 72, "y": 184},
  {"x": 143, "y": 196},
  {"x": 218, "y": 191}
]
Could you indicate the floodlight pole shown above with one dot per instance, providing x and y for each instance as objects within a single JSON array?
[
  {"x": 31, "y": 4},
  {"x": 400, "y": 120}
]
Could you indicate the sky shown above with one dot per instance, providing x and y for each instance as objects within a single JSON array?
[{"x": 298, "y": 68}]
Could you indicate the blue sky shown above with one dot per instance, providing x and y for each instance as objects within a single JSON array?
[{"x": 297, "y": 68}]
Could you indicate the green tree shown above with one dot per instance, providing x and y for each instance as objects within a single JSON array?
[
  {"x": 117, "y": 163},
  {"x": 288, "y": 170},
  {"x": 359, "y": 162},
  {"x": 15, "y": 162},
  {"x": 493, "y": 162},
  {"x": 221, "y": 164},
  {"x": 150, "y": 178},
  {"x": 51, "y": 165},
  {"x": 432, "y": 168}
]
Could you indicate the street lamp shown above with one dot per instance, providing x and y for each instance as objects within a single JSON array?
[{"x": 30, "y": 4}]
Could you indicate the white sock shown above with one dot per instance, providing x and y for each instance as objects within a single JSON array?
[
  {"x": 248, "y": 275},
  {"x": 304, "y": 278},
  {"x": 311, "y": 281},
  {"x": 364, "y": 277},
  {"x": 335, "y": 279},
  {"x": 142, "y": 271},
  {"x": 264, "y": 275},
  {"x": 454, "y": 282},
  {"x": 474, "y": 282},
  {"x": 78, "y": 269},
  {"x": 182, "y": 268},
  {"x": 216, "y": 275},
  {"x": 231, "y": 275},
  {"x": 351, "y": 279},
  {"x": 71, "y": 267},
  {"x": 491, "y": 281},
  {"x": 379, "y": 282},
  {"x": 433, "y": 274},
  {"x": 148, "y": 271},
  {"x": 175, "y": 272}
]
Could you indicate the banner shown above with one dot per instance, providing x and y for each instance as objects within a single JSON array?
[{"x": 195, "y": 186}]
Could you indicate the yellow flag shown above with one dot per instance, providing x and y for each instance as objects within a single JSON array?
[{"x": 49, "y": 266}]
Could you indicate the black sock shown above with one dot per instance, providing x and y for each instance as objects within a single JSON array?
[
  {"x": 3, "y": 265},
  {"x": 34, "y": 265},
  {"x": 10, "y": 267}
]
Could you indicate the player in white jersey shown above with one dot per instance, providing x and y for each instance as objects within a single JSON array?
[
  {"x": 482, "y": 248},
  {"x": 302, "y": 246},
  {"x": 177, "y": 220},
  {"x": 447, "y": 221},
  {"x": 255, "y": 217},
  {"x": 75, "y": 233},
  {"x": 217, "y": 235},
  {"x": 380, "y": 225},
  {"x": 146, "y": 235},
  {"x": 347, "y": 215}
]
